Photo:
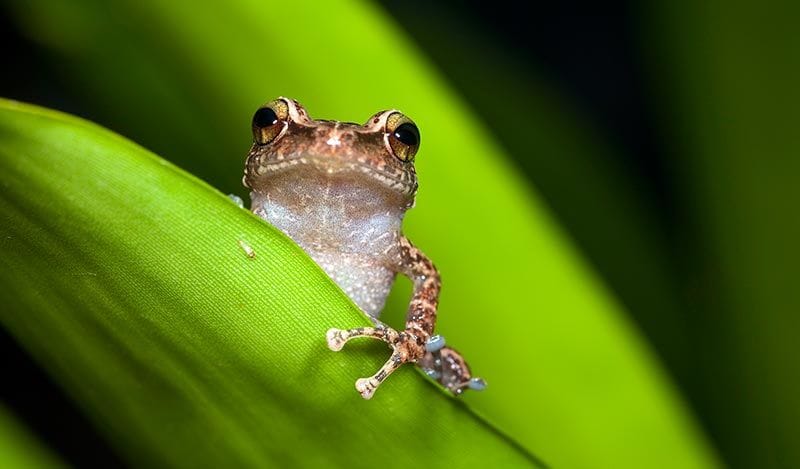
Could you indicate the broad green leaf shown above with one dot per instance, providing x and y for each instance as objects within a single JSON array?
[
  {"x": 126, "y": 278},
  {"x": 565, "y": 368},
  {"x": 728, "y": 74},
  {"x": 19, "y": 449}
]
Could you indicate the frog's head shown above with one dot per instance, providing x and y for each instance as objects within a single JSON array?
[{"x": 379, "y": 153}]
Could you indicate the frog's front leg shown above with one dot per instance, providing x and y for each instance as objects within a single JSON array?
[{"x": 416, "y": 344}]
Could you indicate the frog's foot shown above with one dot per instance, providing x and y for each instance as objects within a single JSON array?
[
  {"x": 406, "y": 347},
  {"x": 448, "y": 367},
  {"x": 237, "y": 200}
]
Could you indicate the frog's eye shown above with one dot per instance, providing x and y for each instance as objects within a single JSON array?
[
  {"x": 402, "y": 136},
  {"x": 269, "y": 121}
]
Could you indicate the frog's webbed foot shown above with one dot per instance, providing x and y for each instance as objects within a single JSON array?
[
  {"x": 406, "y": 348},
  {"x": 448, "y": 367},
  {"x": 441, "y": 363}
]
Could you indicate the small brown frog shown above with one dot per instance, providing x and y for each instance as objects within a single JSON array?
[{"x": 340, "y": 191}]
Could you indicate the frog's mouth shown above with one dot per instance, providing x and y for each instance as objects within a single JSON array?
[{"x": 402, "y": 182}]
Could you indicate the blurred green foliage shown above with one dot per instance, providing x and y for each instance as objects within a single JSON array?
[
  {"x": 727, "y": 76},
  {"x": 19, "y": 448},
  {"x": 599, "y": 201}
]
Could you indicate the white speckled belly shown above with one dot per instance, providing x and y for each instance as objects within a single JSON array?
[
  {"x": 348, "y": 227},
  {"x": 366, "y": 283}
]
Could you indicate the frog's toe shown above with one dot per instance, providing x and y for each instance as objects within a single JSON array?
[
  {"x": 366, "y": 387},
  {"x": 434, "y": 343},
  {"x": 477, "y": 384},
  {"x": 237, "y": 200},
  {"x": 334, "y": 339},
  {"x": 448, "y": 368}
]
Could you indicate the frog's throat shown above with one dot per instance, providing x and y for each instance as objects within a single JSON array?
[{"x": 403, "y": 182}]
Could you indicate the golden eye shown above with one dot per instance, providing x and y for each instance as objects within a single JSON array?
[
  {"x": 403, "y": 136},
  {"x": 269, "y": 121}
]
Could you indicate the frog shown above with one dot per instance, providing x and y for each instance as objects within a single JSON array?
[{"x": 340, "y": 191}]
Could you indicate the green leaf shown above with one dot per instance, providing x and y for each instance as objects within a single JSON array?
[
  {"x": 569, "y": 377},
  {"x": 126, "y": 277}
]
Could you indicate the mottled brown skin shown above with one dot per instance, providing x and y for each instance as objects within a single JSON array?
[{"x": 340, "y": 191}]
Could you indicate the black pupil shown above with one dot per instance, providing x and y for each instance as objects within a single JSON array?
[
  {"x": 265, "y": 117},
  {"x": 407, "y": 134}
]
